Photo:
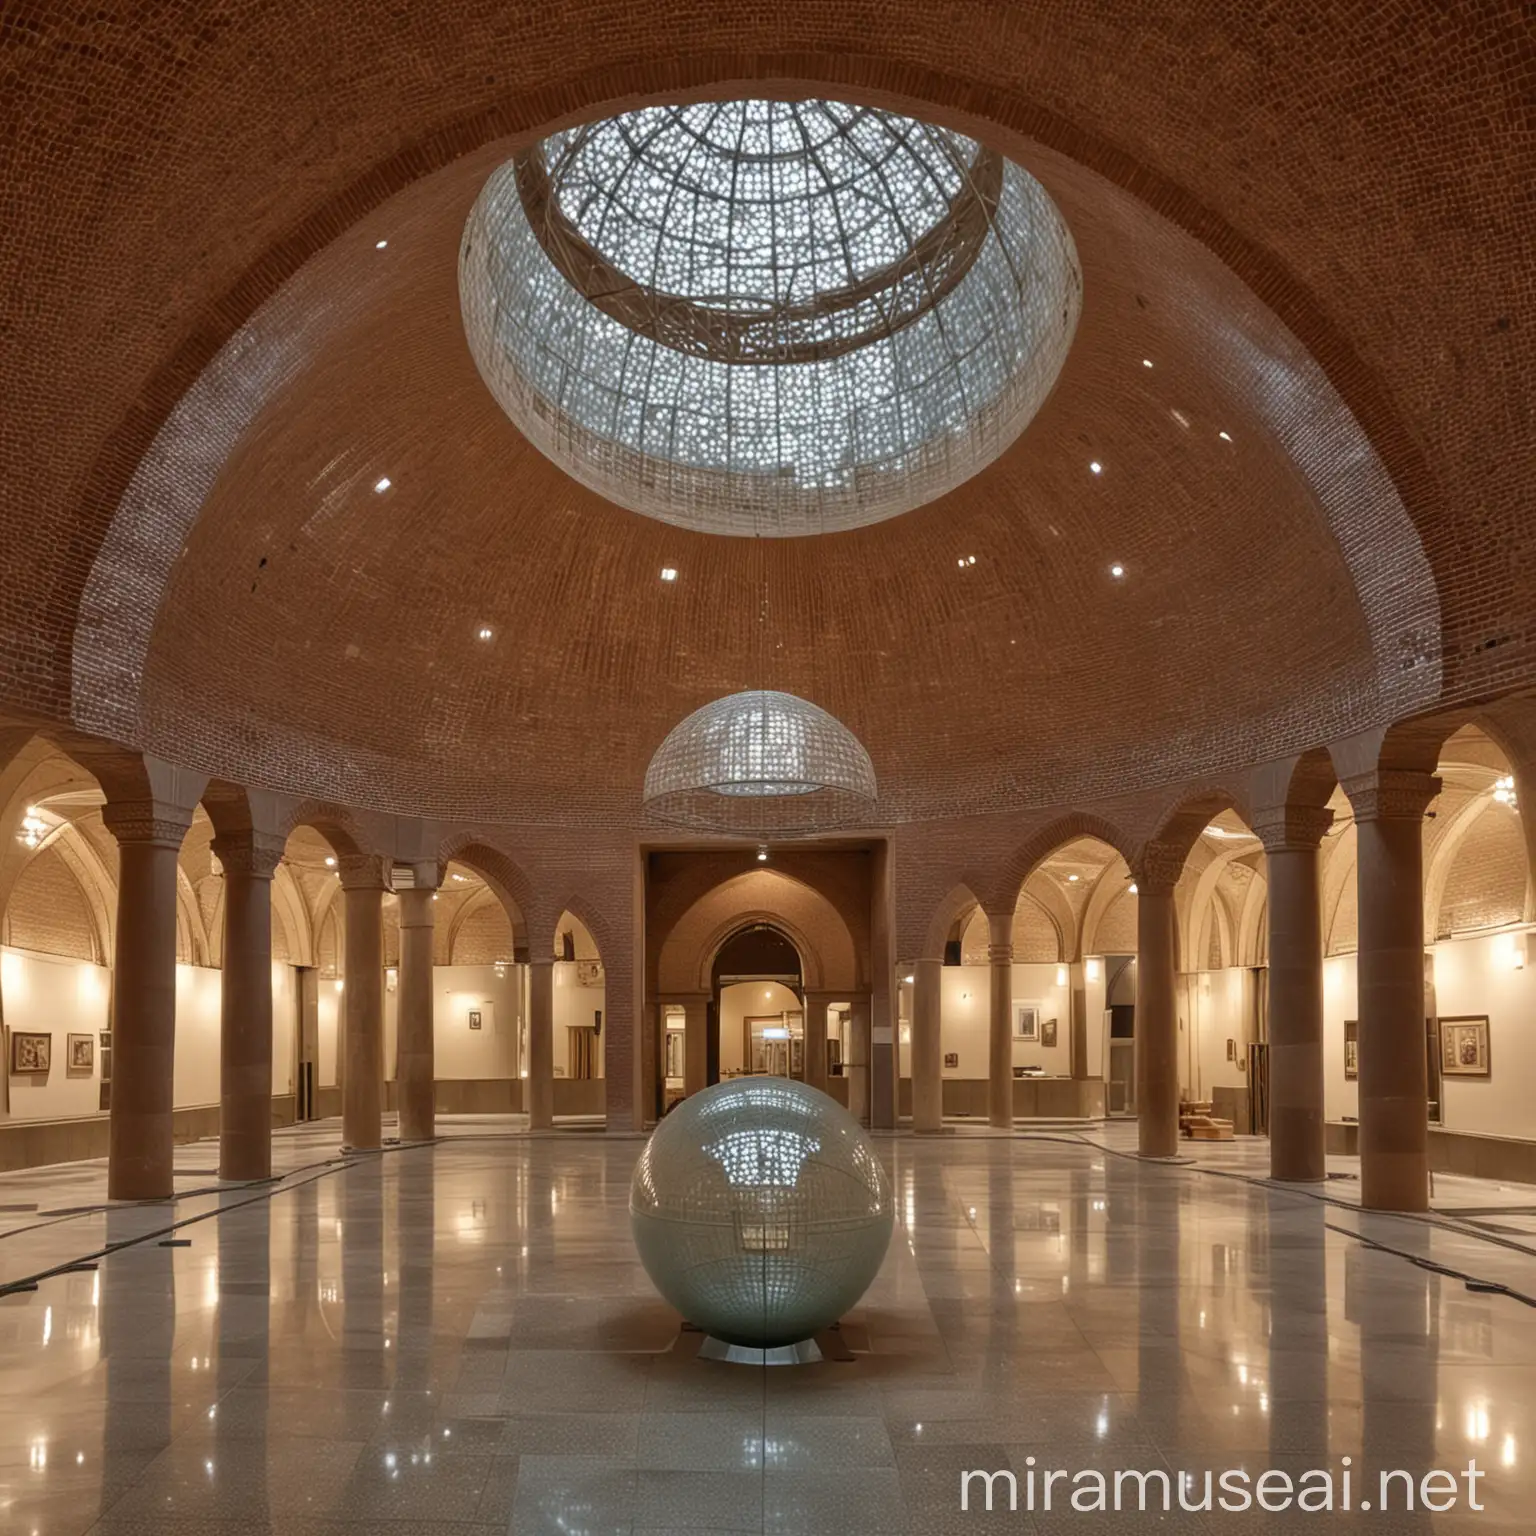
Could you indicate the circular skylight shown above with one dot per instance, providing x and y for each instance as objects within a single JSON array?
[
  {"x": 767, "y": 318},
  {"x": 760, "y": 761}
]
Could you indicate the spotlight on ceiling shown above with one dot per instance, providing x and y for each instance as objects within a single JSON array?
[
  {"x": 382, "y": 484},
  {"x": 379, "y": 245},
  {"x": 762, "y": 854},
  {"x": 1096, "y": 468},
  {"x": 1117, "y": 570},
  {"x": 485, "y": 632},
  {"x": 668, "y": 573}
]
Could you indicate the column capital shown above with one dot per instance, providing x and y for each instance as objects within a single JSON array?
[
  {"x": 252, "y": 854},
  {"x": 1158, "y": 868},
  {"x": 363, "y": 872},
  {"x": 156, "y": 823},
  {"x": 1000, "y": 954},
  {"x": 1283, "y": 827},
  {"x": 1391, "y": 794}
]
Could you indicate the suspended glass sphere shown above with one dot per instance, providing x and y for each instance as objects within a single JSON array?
[
  {"x": 760, "y": 1211},
  {"x": 768, "y": 318},
  {"x": 760, "y": 762}
]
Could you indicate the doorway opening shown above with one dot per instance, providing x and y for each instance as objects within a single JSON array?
[{"x": 757, "y": 1008}]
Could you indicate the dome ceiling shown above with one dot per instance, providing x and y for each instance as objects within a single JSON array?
[
  {"x": 767, "y": 318},
  {"x": 339, "y": 510}
]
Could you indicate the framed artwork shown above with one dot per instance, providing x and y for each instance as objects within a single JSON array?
[
  {"x": 80, "y": 1053},
  {"x": 1048, "y": 1033},
  {"x": 951, "y": 1058},
  {"x": 1026, "y": 1022},
  {"x": 31, "y": 1053},
  {"x": 1464, "y": 1046},
  {"x": 474, "y": 1018},
  {"x": 1351, "y": 1049}
]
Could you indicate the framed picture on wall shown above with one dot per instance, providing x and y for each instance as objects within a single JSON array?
[
  {"x": 80, "y": 1053},
  {"x": 1026, "y": 1022},
  {"x": 1464, "y": 1046},
  {"x": 474, "y": 1018},
  {"x": 951, "y": 1058},
  {"x": 31, "y": 1054},
  {"x": 1351, "y": 1049},
  {"x": 1048, "y": 1033}
]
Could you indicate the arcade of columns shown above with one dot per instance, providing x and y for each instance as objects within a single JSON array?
[{"x": 1388, "y": 806}]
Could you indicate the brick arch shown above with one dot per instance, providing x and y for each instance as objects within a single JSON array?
[
  {"x": 344, "y": 829},
  {"x": 830, "y": 956},
  {"x": 501, "y": 872},
  {"x": 1004, "y": 893},
  {"x": 942, "y": 920}
]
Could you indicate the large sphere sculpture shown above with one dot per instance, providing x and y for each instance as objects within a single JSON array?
[{"x": 760, "y": 1211}]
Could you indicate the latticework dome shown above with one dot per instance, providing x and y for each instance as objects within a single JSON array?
[
  {"x": 768, "y": 318},
  {"x": 761, "y": 763}
]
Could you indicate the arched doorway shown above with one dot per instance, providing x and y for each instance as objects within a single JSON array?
[{"x": 757, "y": 1007}]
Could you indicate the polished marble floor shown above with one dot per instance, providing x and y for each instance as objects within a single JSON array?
[{"x": 460, "y": 1339}]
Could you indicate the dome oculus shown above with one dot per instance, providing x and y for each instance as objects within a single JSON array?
[{"x": 767, "y": 318}]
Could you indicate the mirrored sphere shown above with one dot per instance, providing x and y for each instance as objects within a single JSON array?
[{"x": 760, "y": 1210}]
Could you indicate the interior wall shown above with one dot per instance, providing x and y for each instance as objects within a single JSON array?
[
  {"x": 1473, "y": 976},
  {"x": 575, "y": 1007},
  {"x": 748, "y": 999},
  {"x": 1217, "y": 1007},
  {"x": 50, "y": 995}
]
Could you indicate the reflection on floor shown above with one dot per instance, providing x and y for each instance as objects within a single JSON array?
[{"x": 459, "y": 1338}]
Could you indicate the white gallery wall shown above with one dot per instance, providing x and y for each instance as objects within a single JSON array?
[
  {"x": 44, "y": 994},
  {"x": 1473, "y": 977}
]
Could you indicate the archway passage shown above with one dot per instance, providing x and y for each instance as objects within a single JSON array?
[{"x": 757, "y": 1007}]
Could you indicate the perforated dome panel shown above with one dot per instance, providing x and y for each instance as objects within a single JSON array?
[
  {"x": 768, "y": 318},
  {"x": 760, "y": 762}
]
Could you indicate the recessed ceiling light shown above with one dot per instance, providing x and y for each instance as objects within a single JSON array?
[
  {"x": 1226, "y": 437},
  {"x": 668, "y": 573},
  {"x": 330, "y": 861},
  {"x": 1146, "y": 362},
  {"x": 1133, "y": 887},
  {"x": 762, "y": 855},
  {"x": 382, "y": 484},
  {"x": 1179, "y": 417},
  {"x": 1074, "y": 877},
  {"x": 380, "y": 244},
  {"x": 484, "y": 632},
  {"x": 1096, "y": 467},
  {"x": 1117, "y": 570}
]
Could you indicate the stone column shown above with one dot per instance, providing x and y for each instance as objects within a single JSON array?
[
  {"x": 140, "y": 1139},
  {"x": 1157, "y": 1024},
  {"x": 1291, "y": 838},
  {"x": 1389, "y": 810},
  {"x": 415, "y": 1050},
  {"x": 696, "y": 1044},
  {"x": 856, "y": 1057},
  {"x": 816, "y": 1005},
  {"x": 362, "y": 886},
  {"x": 245, "y": 1004},
  {"x": 1000, "y": 1021},
  {"x": 541, "y": 1044},
  {"x": 1079, "y": 1020},
  {"x": 927, "y": 1047}
]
